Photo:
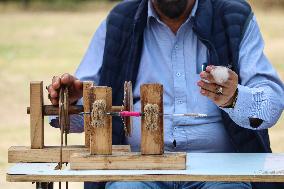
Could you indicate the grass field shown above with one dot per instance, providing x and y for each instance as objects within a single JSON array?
[{"x": 37, "y": 45}]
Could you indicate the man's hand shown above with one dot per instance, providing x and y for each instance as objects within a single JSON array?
[
  {"x": 213, "y": 91},
  {"x": 75, "y": 88}
]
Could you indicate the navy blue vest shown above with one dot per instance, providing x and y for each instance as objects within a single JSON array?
[{"x": 219, "y": 24}]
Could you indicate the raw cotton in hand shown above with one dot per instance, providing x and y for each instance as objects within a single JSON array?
[{"x": 220, "y": 74}]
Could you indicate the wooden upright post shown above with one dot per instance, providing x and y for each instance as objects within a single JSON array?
[
  {"x": 36, "y": 115},
  {"x": 101, "y": 136},
  {"x": 152, "y": 139},
  {"x": 87, "y": 95}
]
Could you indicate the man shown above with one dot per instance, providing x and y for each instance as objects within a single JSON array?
[{"x": 168, "y": 42}]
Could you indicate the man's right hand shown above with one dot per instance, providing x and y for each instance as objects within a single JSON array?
[{"x": 74, "y": 84}]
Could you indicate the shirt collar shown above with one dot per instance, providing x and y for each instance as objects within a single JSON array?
[{"x": 152, "y": 13}]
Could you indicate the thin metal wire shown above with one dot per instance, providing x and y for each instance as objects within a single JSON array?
[{"x": 64, "y": 123}]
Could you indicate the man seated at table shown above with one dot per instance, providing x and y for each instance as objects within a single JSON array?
[{"x": 168, "y": 42}]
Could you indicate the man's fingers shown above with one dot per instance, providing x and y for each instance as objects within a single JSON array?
[
  {"x": 232, "y": 75},
  {"x": 54, "y": 101},
  {"x": 52, "y": 92},
  {"x": 209, "y": 68},
  {"x": 67, "y": 79},
  {"x": 207, "y": 76},
  {"x": 212, "y": 87},
  {"x": 78, "y": 85},
  {"x": 56, "y": 82},
  {"x": 75, "y": 87},
  {"x": 213, "y": 96}
]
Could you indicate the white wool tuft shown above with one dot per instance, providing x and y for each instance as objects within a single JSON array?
[{"x": 220, "y": 74}]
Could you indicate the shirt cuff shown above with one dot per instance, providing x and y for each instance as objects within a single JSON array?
[
  {"x": 262, "y": 103},
  {"x": 251, "y": 103},
  {"x": 76, "y": 123},
  {"x": 241, "y": 112}
]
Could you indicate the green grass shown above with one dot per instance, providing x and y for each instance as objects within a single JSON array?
[{"x": 37, "y": 45}]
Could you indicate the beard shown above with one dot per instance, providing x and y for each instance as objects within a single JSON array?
[{"x": 172, "y": 9}]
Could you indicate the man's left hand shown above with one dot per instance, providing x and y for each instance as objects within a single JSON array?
[{"x": 222, "y": 94}]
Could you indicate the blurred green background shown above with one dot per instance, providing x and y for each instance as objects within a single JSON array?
[{"x": 40, "y": 39}]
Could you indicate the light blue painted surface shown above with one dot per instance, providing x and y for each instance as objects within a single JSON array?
[{"x": 211, "y": 164}]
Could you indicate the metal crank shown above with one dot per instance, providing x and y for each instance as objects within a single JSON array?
[{"x": 64, "y": 123}]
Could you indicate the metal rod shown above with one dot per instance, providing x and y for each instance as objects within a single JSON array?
[
  {"x": 187, "y": 115},
  {"x": 139, "y": 114}
]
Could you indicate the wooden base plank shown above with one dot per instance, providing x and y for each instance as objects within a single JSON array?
[
  {"x": 130, "y": 160},
  {"x": 50, "y": 154},
  {"x": 150, "y": 178}
]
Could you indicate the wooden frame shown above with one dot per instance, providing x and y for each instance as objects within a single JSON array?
[
  {"x": 87, "y": 108},
  {"x": 50, "y": 154},
  {"x": 101, "y": 137},
  {"x": 98, "y": 151},
  {"x": 36, "y": 115},
  {"x": 37, "y": 152},
  {"x": 152, "y": 154},
  {"x": 131, "y": 160},
  {"x": 152, "y": 141}
]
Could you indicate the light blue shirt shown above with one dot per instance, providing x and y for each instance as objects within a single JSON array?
[{"x": 173, "y": 60}]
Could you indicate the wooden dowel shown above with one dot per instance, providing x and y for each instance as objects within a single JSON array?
[
  {"x": 117, "y": 108},
  {"x": 49, "y": 110}
]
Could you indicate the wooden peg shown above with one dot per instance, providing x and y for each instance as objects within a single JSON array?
[
  {"x": 152, "y": 140},
  {"x": 87, "y": 95},
  {"x": 101, "y": 134},
  {"x": 36, "y": 115}
]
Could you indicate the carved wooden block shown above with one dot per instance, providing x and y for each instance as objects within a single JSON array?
[
  {"x": 152, "y": 131},
  {"x": 101, "y": 124},
  {"x": 36, "y": 115},
  {"x": 87, "y": 108}
]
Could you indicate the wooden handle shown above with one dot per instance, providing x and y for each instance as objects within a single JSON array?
[{"x": 49, "y": 110}]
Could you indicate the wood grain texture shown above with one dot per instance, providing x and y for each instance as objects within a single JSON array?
[
  {"x": 87, "y": 94},
  {"x": 109, "y": 178},
  {"x": 117, "y": 108},
  {"x": 101, "y": 137},
  {"x": 17, "y": 154},
  {"x": 36, "y": 115},
  {"x": 128, "y": 106},
  {"x": 125, "y": 161},
  {"x": 49, "y": 110},
  {"x": 227, "y": 167},
  {"x": 152, "y": 141}
]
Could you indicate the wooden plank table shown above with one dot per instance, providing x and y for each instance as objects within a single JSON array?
[{"x": 200, "y": 167}]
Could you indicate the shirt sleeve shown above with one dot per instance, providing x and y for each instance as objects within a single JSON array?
[
  {"x": 88, "y": 70},
  {"x": 261, "y": 92}
]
